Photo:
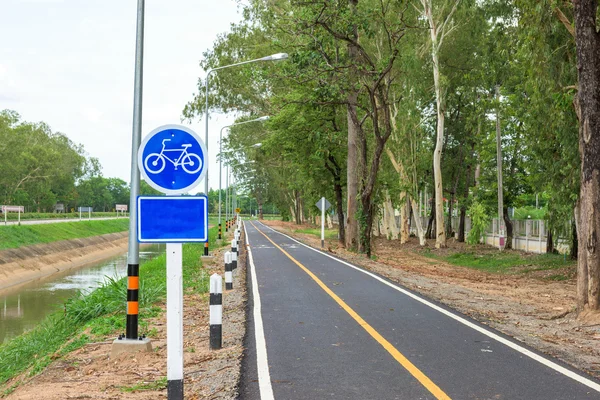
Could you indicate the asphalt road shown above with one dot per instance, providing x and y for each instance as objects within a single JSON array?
[{"x": 320, "y": 328}]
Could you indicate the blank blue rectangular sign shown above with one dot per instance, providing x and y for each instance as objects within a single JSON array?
[{"x": 172, "y": 219}]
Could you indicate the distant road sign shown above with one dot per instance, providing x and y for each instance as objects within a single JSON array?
[
  {"x": 238, "y": 210},
  {"x": 172, "y": 159},
  {"x": 13, "y": 209},
  {"x": 172, "y": 219},
  {"x": 85, "y": 209},
  {"x": 120, "y": 207},
  {"x": 320, "y": 204}
]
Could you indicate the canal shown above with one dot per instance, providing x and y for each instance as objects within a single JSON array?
[{"x": 23, "y": 309}]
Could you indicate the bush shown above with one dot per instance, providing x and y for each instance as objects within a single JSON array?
[{"x": 479, "y": 221}]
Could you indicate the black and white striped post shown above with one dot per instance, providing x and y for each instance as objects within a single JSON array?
[
  {"x": 228, "y": 271},
  {"x": 216, "y": 312},
  {"x": 233, "y": 254}
]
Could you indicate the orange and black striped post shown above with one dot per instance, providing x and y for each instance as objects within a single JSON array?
[
  {"x": 226, "y": 225},
  {"x": 206, "y": 248},
  {"x": 220, "y": 232},
  {"x": 133, "y": 288}
]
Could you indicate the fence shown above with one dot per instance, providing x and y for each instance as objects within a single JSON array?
[{"x": 528, "y": 235}]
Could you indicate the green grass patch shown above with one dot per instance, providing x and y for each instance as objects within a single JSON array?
[
  {"x": 329, "y": 233},
  {"x": 503, "y": 262},
  {"x": 100, "y": 314},
  {"x": 14, "y": 236},
  {"x": 13, "y": 216},
  {"x": 159, "y": 384}
]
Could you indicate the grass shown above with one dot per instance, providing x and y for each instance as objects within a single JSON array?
[
  {"x": 160, "y": 383},
  {"x": 505, "y": 262},
  {"x": 13, "y": 216},
  {"x": 14, "y": 236},
  {"x": 98, "y": 315},
  {"x": 329, "y": 233}
]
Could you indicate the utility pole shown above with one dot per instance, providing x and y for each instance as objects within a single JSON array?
[{"x": 499, "y": 168}]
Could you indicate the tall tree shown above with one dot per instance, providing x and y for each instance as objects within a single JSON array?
[
  {"x": 440, "y": 25},
  {"x": 587, "y": 39}
]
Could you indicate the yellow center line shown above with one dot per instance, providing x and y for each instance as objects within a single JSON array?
[{"x": 410, "y": 367}]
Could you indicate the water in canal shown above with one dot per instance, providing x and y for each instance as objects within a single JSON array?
[{"x": 25, "y": 308}]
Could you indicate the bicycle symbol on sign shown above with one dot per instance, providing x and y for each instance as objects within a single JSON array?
[{"x": 190, "y": 162}]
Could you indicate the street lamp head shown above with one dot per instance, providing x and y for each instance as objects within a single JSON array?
[
  {"x": 257, "y": 145},
  {"x": 266, "y": 117},
  {"x": 275, "y": 57}
]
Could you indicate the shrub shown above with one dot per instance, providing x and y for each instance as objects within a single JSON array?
[{"x": 479, "y": 221}]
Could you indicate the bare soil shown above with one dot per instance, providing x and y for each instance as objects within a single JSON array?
[
  {"x": 535, "y": 311},
  {"x": 89, "y": 373}
]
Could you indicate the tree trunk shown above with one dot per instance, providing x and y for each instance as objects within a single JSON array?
[
  {"x": 587, "y": 40},
  {"x": 440, "y": 234},
  {"x": 509, "y": 229},
  {"x": 418, "y": 223},
  {"x": 449, "y": 231},
  {"x": 404, "y": 217},
  {"x": 574, "y": 246},
  {"x": 461, "y": 224},
  {"x": 260, "y": 211},
  {"x": 549, "y": 242},
  {"x": 389, "y": 219},
  {"x": 298, "y": 207},
  {"x": 339, "y": 204},
  {"x": 351, "y": 236},
  {"x": 333, "y": 167},
  {"x": 431, "y": 225},
  {"x": 463, "y": 207}
]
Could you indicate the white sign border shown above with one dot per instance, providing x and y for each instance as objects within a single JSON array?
[
  {"x": 140, "y": 160},
  {"x": 161, "y": 198}
]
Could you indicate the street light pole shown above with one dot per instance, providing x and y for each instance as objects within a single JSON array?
[
  {"x": 221, "y": 156},
  {"x": 273, "y": 57},
  {"x": 133, "y": 258}
]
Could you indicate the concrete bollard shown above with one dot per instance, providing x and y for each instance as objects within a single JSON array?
[
  {"x": 228, "y": 271},
  {"x": 216, "y": 312},
  {"x": 233, "y": 254}
]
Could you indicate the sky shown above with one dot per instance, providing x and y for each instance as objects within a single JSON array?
[{"x": 70, "y": 64}]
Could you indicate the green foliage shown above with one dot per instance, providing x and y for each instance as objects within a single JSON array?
[
  {"x": 479, "y": 222},
  {"x": 530, "y": 213},
  {"x": 39, "y": 167},
  {"x": 14, "y": 236}
]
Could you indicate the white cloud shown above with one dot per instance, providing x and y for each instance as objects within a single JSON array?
[{"x": 71, "y": 64}]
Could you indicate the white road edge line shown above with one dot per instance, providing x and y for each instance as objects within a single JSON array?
[
  {"x": 262, "y": 364},
  {"x": 550, "y": 364}
]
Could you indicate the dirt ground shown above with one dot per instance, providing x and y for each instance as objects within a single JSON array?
[
  {"x": 537, "y": 312},
  {"x": 89, "y": 373}
]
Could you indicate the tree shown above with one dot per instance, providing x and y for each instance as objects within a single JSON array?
[
  {"x": 587, "y": 39},
  {"x": 440, "y": 25}
]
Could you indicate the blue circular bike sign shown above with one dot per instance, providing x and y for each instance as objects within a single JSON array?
[{"x": 172, "y": 159}]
